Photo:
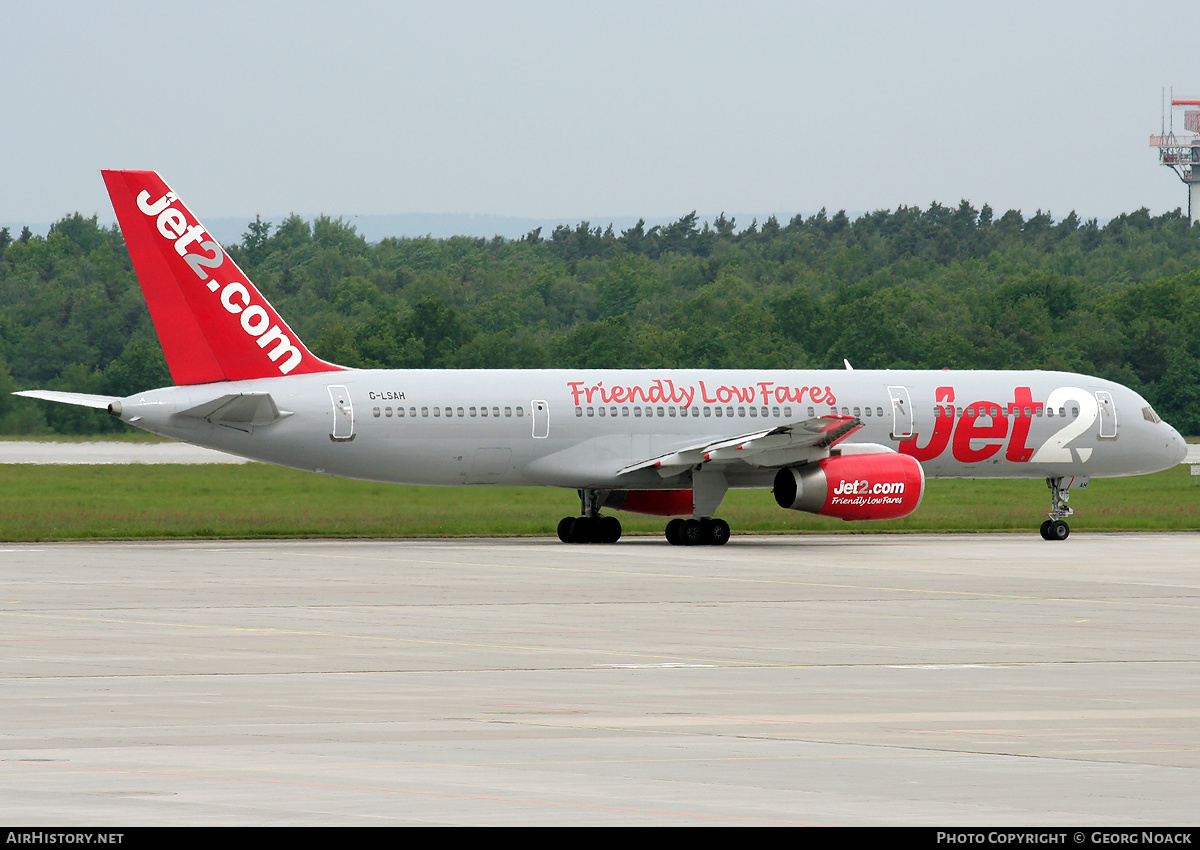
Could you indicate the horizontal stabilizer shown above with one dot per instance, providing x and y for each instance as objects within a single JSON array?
[
  {"x": 100, "y": 402},
  {"x": 239, "y": 410}
]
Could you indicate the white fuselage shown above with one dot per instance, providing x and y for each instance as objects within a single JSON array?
[{"x": 579, "y": 428}]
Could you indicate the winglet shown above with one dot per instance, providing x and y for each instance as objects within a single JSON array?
[{"x": 214, "y": 325}]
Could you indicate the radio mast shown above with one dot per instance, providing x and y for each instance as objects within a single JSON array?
[{"x": 1181, "y": 153}]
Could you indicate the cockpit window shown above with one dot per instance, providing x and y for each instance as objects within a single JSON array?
[{"x": 1149, "y": 415}]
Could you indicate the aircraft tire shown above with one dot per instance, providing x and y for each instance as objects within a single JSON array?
[
  {"x": 609, "y": 529},
  {"x": 673, "y": 529},
  {"x": 564, "y": 529},
  {"x": 692, "y": 533},
  {"x": 583, "y": 530},
  {"x": 1046, "y": 529},
  {"x": 1058, "y": 530},
  {"x": 716, "y": 532}
]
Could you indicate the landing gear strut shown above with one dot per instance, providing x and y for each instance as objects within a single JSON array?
[
  {"x": 591, "y": 527},
  {"x": 698, "y": 532},
  {"x": 1056, "y": 527}
]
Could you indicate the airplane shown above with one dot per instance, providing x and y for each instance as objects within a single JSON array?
[{"x": 853, "y": 444}]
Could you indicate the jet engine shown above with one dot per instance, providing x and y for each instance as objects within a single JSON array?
[{"x": 859, "y": 486}]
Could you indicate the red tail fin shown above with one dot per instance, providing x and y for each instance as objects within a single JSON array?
[{"x": 212, "y": 322}]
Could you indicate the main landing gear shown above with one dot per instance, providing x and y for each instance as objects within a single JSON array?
[
  {"x": 1056, "y": 527},
  {"x": 591, "y": 527},
  {"x": 697, "y": 532}
]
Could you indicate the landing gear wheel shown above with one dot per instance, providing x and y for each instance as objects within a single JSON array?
[
  {"x": 674, "y": 527},
  {"x": 564, "y": 529},
  {"x": 609, "y": 529},
  {"x": 583, "y": 529},
  {"x": 716, "y": 532},
  {"x": 692, "y": 533},
  {"x": 1058, "y": 530},
  {"x": 1046, "y": 529}
]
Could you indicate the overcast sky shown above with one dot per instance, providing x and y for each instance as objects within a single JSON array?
[{"x": 571, "y": 110}]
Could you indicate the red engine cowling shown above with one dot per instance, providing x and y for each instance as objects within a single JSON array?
[
  {"x": 655, "y": 502},
  {"x": 865, "y": 486}
]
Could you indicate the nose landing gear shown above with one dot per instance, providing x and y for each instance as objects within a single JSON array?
[{"x": 1056, "y": 527}]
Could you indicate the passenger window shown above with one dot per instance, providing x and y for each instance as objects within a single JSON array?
[
  {"x": 437, "y": 412},
  {"x": 579, "y": 412},
  {"x": 742, "y": 412},
  {"x": 592, "y": 412},
  {"x": 520, "y": 412},
  {"x": 508, "y": 411},
  {"x": 472, "y": 411},
  {"x": 376, "y": 412},
  {"x": 425, "y": 411},
  {"x": 754, "y": 411},
  {"x": 695, "y": 412},
  {"x": 811, "y": 413},
  {"x": 400, "y": 412},
  {"x": 387, "y": 411},
  {"x": 717, "y": 410}
]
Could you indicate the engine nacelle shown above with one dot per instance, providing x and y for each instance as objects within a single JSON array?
[
  {"x": 654, "y": 502},
  {"x": 860, "y": 486}
]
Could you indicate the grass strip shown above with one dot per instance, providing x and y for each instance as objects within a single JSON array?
[{"x": 103, "y": 502}]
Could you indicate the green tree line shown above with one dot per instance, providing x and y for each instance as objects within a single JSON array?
[{"x": 910, "y": 288}]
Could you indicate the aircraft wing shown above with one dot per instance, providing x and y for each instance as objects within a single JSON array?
[
  {"x": 780, "y": 446},
  {"x": 100, "y": 402}
]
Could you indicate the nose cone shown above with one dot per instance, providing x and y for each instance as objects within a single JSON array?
[{"x": 1178, "y": 448}]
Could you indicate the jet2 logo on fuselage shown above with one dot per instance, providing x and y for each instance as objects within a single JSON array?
[{"x": 972, "y": 442}]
